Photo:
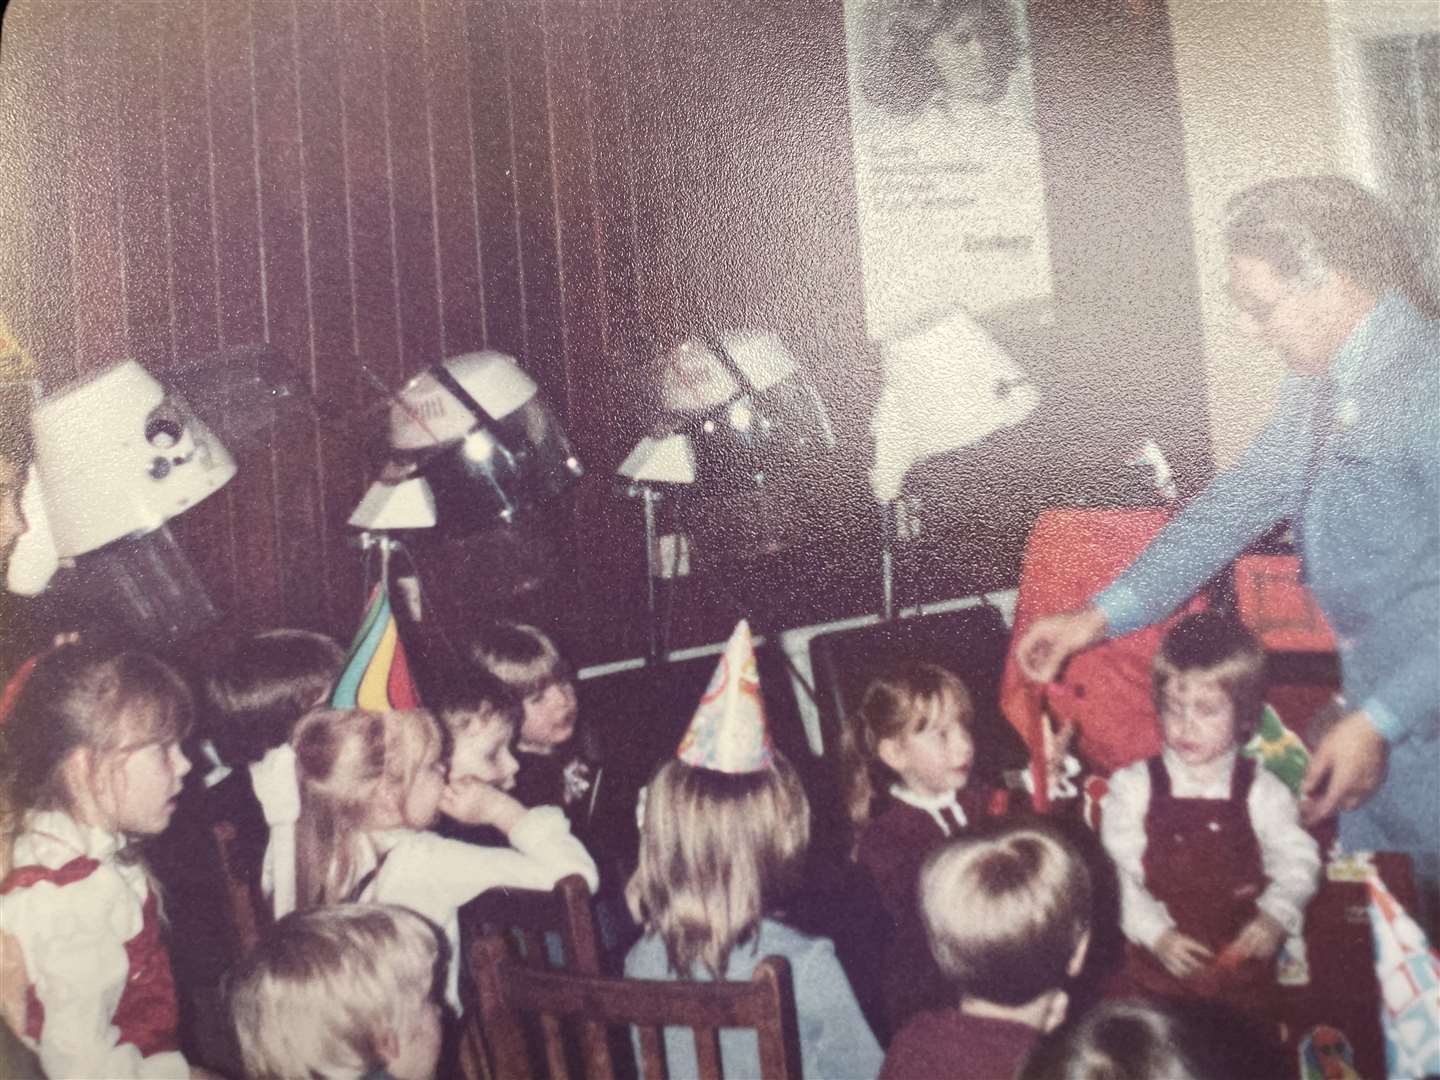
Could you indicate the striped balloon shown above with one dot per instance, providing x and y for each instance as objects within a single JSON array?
[{"x": 376, "y": 675}]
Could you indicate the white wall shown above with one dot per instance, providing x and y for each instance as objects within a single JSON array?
[
  {"x": 1258, "y": 99},
  {"x": 1267, "y": 88}
]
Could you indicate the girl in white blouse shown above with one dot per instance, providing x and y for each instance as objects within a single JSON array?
[
  {"x": 372, "y": 784},
  {"x": 91, "y": 761}
]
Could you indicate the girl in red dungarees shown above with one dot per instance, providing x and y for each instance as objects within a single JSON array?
[
  {"x": 1215, "y": 870},
  {"x": 91, "y": 758}
]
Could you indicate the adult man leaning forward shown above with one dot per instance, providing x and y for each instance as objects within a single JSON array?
[{"x": 1351, "y": 457}]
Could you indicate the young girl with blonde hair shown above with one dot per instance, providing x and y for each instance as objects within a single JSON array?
[
  {"x": 371, "y": 786},
  {"x": 725, "y": 832},
  {"x": 91, "y": 762}
]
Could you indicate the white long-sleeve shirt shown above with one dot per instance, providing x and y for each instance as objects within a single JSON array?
[
  {"x": 436, "y": 876},
  {"x": 1288, "y": 854},
  {"x": 72, "y": 939}
]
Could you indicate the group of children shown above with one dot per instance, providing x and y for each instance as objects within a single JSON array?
[
  {"x": 366, "y": 832},
  {"x": 1001, "y": 904},
  {"x": 328, "y": 809},
  {"x": 1214, "y": 874}
]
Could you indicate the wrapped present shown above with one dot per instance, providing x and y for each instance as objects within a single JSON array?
[
  {"x": 1279, "y": 749},
  {"x": 1408, "y": 968}
]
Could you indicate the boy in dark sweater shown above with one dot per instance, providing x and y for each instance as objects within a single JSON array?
[
  {"x": 251, "y": 700},
  {"x": 1008, "y": 916},
  {"x": 556, "y": 768}
]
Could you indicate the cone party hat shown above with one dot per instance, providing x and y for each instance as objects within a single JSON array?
[
  {"x": 728, "y": 732},
  {"x": 376, "y": 674}
]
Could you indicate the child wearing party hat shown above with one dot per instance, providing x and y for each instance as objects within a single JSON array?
[{"x": 725, "y": 830}]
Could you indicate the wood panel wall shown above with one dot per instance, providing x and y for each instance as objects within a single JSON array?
[{"x": 372, "y": 185}]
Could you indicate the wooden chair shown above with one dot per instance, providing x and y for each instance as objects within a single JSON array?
[
  {"x": 523, "y": 918},
  {"x": 249, "y": 914},
  {"x": 508, "y": 990},
  {"x": 527, "y": 916}
]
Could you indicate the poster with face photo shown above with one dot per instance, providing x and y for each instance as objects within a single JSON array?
[{"x": 952, "y": 206}]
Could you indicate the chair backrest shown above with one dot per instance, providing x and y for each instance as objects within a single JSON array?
[
  {"x": 528, "y": 916},
  {"x": 508, "y": 990},
  {"x": 525, "y": 919},
  {"x": 249, "y": 914}
]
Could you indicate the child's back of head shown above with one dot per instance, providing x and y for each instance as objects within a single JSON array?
[
  {"x": 356, "y": 772},
  {"x": 257, "y": 693},
  {"x": 521, "y": 656},
  {"x": 340, "y": 991},
  {"x": 1008, "y": 914},
  {"x": 1135, "y": 1040},
  {"x": 718, "y": 852}
]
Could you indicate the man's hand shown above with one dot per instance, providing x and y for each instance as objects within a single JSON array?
[
  {"x": 474, "y": 802},
  {"x": 1181, "y": 954},
  {"x": 1345, "y": 770},
  {"x": 1260, "y": 939},
  {"x": 1050, "y": 641}
]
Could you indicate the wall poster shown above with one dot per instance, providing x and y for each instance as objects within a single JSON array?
[
  {"x": 952, "y": 218},
  {"x": 952, "y": 206}
]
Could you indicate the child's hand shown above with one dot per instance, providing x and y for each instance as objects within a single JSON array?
[
  {"x": 1182, "y": 955},
  {"x": 1259, "y": 940},
  {"x": 471, "y": 801}
]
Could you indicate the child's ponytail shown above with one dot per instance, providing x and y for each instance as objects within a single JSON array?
[
  {"x": 340, "y": 764},
  {"x": 857, "y": 758}
]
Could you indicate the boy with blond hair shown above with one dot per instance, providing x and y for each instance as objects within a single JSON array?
[
  {"x": 1008, "y": 916},
  {"x": 344, "y": 991}
]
